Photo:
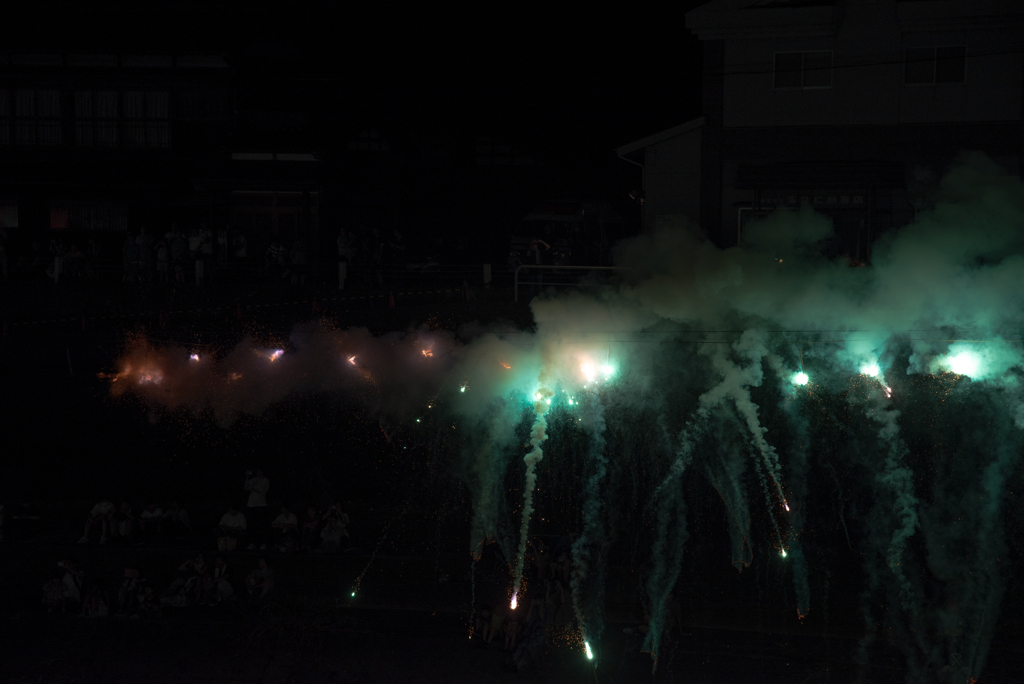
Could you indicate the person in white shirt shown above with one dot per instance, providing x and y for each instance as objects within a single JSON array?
[
  {"x": 101, "y": 516},
  {"x": 223, "y": 588},
  {"x": 150, "y": 520},
  {"x": 232, "y": 527},
  {"x": 257, "y": 485},
  {"x": 331, "y": 536},
  {"x": 285, "y": 529},
  {"x": 71, "y": 587}
]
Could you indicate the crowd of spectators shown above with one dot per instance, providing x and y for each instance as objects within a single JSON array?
[
  {"x": 252, "y": 527},
  {"x": 199, "y": 255},
  {"x": 196, "y": 583}
]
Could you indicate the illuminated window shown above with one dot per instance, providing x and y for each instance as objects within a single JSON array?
[
  {"x": 930, "y": 65},
  {"x": 803, "y": 70}
]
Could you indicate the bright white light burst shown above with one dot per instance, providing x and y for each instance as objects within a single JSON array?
[
  {"x": 800, "y": 378},
  {"x": 590, "y": 654},
  {"x": 588, "y": 370},
  {"x": 964, "y": 363},
  {"x": 871, "y": 369}
]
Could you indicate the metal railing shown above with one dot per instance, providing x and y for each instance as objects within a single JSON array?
[{"x": 541, "y": 267}]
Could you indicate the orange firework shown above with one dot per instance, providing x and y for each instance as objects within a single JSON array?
[
  {"x": 427, "y": 352},
  {"x": 506, "y": 366}
]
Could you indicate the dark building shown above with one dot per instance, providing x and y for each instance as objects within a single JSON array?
[
  {"x": 117, "y": 120},
  {"x": 852, "y": 106}
]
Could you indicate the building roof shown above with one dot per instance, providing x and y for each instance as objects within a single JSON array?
[
  {"x": 634, "y": 150},
  {"x": 721, "y": 19}
]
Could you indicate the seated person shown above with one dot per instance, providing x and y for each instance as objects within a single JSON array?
[
  {"x": 193, "y": 582},
  {"x": 96, "y": 603},
  {"x": 331, "y": 536},
  {"x": 511, "y": 631},
  {"x": 222, "y": 587},
  {"x": 53, "y": 590},
  {"x": 128, "y": 593},
  {"x": 285, "y": 529},
  {"x": 311, "y": 529},
  {"x": 147, "y": 601},
  {"x": 150, "y": 521},
  {"x": 175, "y": 524},
  {"x": 71, "y": 587},
  {"x": 482, "y": 623},
  {"x": 496, "y": 625},
  {"x": 100, "y": 518},
  {"x": 260, "y": 581},
  {"x": 125, "y": 524},
  {"x": 230, "y": 529}
]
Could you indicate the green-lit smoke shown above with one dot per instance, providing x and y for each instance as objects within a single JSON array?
[
  {"x": 670, "y": 536},
  {"x": 538, "y": 435}
]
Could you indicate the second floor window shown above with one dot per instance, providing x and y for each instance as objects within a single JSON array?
[
  {"x": 30, "y": 117},
  {"x": 133, "y": 118},
  {"x": 928, "y": 65},
  {"x": 96, "y": 118},
  {"x": 803, "y": 70}
]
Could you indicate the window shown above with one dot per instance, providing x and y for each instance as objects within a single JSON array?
[
  {"x": 280, "y": 214},
  {"x": 369, "y": 140},
  {"x": 35, "y": 115},
  {"x": 79, "y": 215},
  {"x": 490, "y": 154},
  {"x": 803, "y": 69},
  {"x": 141, "y": 121},
  {"x": 204, "y": 105},
  {"x": 96, "y": 118},
  {"x": 929, "y": 65}
]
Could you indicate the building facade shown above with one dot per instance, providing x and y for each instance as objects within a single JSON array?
[{"x": 851, "y": 106}]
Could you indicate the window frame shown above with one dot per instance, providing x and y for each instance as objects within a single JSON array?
[
  {"x": 803, "y": 69},
  {"x": 935, "y": 66}
]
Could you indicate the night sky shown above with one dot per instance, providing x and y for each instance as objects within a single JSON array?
[{"x": 762, "y": 457}]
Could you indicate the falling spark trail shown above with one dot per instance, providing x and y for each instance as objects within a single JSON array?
[
  {"x": 380, "y": 542},
  {"x": 537, "y": 437},
  {"x": 592, "y": 531}
]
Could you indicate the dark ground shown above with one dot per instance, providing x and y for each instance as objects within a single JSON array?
[
  {"x": 66, "y": 443},
  {"x": 402, "y": 627}
]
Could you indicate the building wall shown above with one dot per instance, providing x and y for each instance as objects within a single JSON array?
[
  {"x": 672, "y": 179},
  {"x": 869, "y": 43}
]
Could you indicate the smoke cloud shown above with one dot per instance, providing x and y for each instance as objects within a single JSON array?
[{"x": 708, "y": 342}]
